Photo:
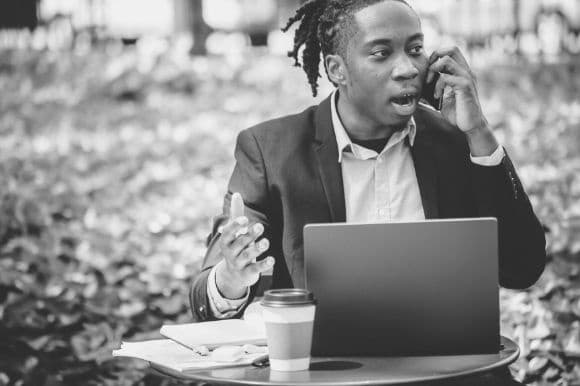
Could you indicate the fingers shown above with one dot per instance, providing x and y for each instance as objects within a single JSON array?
[
  {"x": 261, "y": 266},
  {"x": 447, "y": 65},
  {"x": 239, "y": 250},
  {"x": 448, "y": 60},
  {"x": 237, "y": 214},
  {"x": 234, "y": 228},
  {"x": 452, "y": 52},
  {"x": 248, "y": 256},
  {"x": 245, "y": 261},
  {"x": 236, "y": 206},
  {"x": 243, "y": 242},
  {"x": 451, "y": 81},
  {"x": 238, "y": 241}
]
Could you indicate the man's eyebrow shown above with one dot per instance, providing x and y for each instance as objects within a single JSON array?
[
  {"x": 375, "y": 42},
  {"x": 418, "y": 35}
]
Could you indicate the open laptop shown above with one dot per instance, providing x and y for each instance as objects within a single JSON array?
[{"x": 404, "y": 288}]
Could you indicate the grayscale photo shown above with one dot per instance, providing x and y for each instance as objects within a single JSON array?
[{"x": 290, "y": 192}]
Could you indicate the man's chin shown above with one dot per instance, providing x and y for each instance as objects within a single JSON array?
[{"x": 397, "y": 120}]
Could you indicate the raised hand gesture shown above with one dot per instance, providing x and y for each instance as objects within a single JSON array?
[{"x": 239, "y": 247}]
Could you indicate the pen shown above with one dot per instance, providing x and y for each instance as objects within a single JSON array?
[{"x": 200, "y": 350}]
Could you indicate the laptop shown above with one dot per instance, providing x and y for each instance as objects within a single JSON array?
[{"x": 404, "y": 288}]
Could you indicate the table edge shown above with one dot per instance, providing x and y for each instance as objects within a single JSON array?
[{"x": 499, "y": 364}]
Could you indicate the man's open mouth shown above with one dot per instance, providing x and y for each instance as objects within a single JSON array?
[
  {"x": 405, "y": 99},
  {"x": 405, "y": 103}
]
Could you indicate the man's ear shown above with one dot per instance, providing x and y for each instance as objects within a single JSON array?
[{"x": 336, "y": 68}]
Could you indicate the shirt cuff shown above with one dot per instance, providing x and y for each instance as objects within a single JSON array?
[
  {"x": 222, "y": 307},
  {"x": 490, "y": 160}
]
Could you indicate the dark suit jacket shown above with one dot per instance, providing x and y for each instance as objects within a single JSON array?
[{"x": 288, "y": 174}]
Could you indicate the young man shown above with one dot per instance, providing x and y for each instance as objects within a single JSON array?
[{"x": 368, "y": 152}]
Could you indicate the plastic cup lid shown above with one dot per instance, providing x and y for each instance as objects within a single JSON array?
[{"x": 288, "y": 297}]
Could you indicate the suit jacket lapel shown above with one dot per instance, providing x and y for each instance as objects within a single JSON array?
[
  {"x": 425, "y": 169},
  {"x": 326, "y": 151}
]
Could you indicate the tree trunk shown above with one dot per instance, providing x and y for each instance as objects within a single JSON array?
[
  {"x": 199, "y": 28},
  {"x": 517, "y": 32},
  {"x": 18, "y": 14}
]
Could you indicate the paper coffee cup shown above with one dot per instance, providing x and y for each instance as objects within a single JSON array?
[{"x": 289, "y": 319}]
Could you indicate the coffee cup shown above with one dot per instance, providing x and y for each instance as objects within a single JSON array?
[{"x": 289, "y": 319}]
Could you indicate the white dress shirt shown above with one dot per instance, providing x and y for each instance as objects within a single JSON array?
[{"x": 378, "y": 187}]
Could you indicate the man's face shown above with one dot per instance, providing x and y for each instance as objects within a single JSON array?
[{"x": 386, "y": 63}]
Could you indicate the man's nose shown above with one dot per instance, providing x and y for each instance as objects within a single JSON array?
[{"x": 404, "y": 69}]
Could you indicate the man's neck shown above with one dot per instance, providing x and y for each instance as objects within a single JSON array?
[{"x": 359, "y": 126}]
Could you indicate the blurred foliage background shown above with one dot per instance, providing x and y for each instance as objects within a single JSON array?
[{"x": 114, "y": 157}]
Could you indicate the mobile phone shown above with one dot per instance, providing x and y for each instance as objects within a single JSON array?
[{"x": 428, "y": 93}]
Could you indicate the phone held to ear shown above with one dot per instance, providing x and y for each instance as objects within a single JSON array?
[{"x": 428, "y": 94}]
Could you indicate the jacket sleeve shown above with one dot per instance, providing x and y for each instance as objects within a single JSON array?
[
  {"x": 249, "y": 179},
  {"x": 499, "y": 193}
]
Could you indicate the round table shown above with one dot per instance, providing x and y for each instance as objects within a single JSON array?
[{"x": 350, "y": 371}]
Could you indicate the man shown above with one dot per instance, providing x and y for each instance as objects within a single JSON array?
[{"x": 369, "y": 152}]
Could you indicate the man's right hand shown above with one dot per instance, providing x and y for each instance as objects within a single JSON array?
[{"x": 239, "y": 247}]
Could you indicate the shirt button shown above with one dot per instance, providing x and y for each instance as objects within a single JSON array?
[{"x": 201, "y": 309}]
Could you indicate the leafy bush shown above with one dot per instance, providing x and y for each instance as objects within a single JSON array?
[{"x": 112, "y": 164}]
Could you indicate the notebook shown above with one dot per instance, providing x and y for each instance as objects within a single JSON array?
[
  {"x": 216, "y": 333},
  {"x": 174, "y": 356}
]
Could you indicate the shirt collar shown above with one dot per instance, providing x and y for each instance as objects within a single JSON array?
[{"x": 343, "y": 140}]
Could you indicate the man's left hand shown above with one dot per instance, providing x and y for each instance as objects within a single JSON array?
[{"x": 458, "y": 88}]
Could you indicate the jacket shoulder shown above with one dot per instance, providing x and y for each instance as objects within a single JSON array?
[{"x": 286, "y": 128}]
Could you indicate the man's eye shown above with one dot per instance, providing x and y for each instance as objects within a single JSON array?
[
  {"x": 380, "y": 53},
  {"x": 417, "y": 50}
]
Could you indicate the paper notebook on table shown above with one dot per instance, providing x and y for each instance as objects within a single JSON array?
[
  {"x": 216, "y": 333},
  {"x": 172, "y": 355}
]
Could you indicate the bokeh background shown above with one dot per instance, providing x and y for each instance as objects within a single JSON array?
[{"x": 117, "y": 126}]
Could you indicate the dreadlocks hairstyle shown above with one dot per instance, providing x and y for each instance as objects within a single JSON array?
[{"x": 325, "y": 26}]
